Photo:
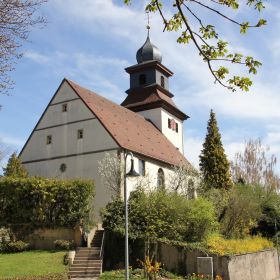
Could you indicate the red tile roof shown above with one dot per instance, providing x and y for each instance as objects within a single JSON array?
[{"x": 130, "y": 130}]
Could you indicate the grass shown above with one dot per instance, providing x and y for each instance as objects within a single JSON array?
[
  {"x": 32, "y": 263},
  {"x": 135, "y": 274}
]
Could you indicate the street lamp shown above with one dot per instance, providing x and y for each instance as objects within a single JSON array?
[{"x": 131, "y": 173}]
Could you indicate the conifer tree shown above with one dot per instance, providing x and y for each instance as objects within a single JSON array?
[
  {"x": 15, "y": 168},
  {"x": 213, "y": 164}
]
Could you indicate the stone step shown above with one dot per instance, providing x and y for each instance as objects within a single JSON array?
[
  {"x": 85, "y": 262},
  {"x": 85, "y": 249},
  {"x": 86, "y": 265},
  {"x": 86, "y": 259},
  {"x": 84, "y": 269},
  {"x": 88, "y": 252},
  {"x": 84, "y": 274},
  {"x": 92, "y": 254}
]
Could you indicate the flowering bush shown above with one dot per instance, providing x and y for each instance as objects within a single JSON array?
[
  {"x": 220, "y": 246},
  {"x": 151, "y": 269},
  {"x": 202, "y": 276}
]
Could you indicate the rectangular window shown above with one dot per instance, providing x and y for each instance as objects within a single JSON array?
[
  {"x": 141, "y": 164},
  {"x": 49, "y": 139},
  {"x": 176, "y": 127},
  {"x": 169, "y": 123},
  {"x": 64, "y": 107},
  {"x": 80, "y": 134}
]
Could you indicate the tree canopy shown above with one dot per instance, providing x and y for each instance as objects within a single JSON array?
[
  {"x": 214, "y": 165},
  {"x": 15, "y": 168},
  {"x": 191, "y": 19},
  {"x": 255, "y": 166}
]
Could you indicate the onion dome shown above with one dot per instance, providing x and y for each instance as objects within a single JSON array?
[{"x": 148, "y": 52}]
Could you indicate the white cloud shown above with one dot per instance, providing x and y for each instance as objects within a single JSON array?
[
  {"x": 100, "y": 16},
  {"x": 94, "y": 71},
  {"x": 194, "y": 88},
  {"x": 11, "y": 142},
  {"x": 37, "y": 57}
]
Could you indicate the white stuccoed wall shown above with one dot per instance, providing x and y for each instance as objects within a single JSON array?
[
  {"x": 81, "y": 156},
  {"x": 154, "y": 115},
  {"x": 151, "y": 171},
  {"x": 160, "y": 118}
]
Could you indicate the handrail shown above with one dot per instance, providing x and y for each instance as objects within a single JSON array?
[{"x": 102, "y": 245}]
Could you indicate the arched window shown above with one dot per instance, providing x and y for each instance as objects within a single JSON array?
[
  {"x": 191, "y": 189},
  {"x": 162, "y": 81},
  {"x": 160, "y": 179},
  {"x": 142, "y": 79}
]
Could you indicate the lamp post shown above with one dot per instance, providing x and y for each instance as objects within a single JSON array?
[{"x": 131, "y": 173}]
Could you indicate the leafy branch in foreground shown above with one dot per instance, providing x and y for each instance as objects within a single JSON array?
[{"x": 214, "y": 51}]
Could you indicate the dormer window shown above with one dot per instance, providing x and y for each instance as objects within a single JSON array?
[
  {"x": 142, "y": 79},
  {"x": 64, "y": 107},
  {"x": 162, "y": 83}
]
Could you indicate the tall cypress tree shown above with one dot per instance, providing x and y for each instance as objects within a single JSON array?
[
  {"x": 213, "y": 164},
  {"x": 15, "y": 168}
]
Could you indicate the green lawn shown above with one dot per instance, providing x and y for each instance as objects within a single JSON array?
[
  {"x": 32, "y": 263},
  {"x": 136, "y": 274}
]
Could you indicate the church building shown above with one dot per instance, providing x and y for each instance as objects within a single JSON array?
[{"x": 79, "y": 127}]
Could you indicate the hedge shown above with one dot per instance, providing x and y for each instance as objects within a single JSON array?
[{"x": 44, "y": 202}]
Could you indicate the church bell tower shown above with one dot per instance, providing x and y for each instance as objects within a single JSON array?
[{"x": 149, "y": 94}]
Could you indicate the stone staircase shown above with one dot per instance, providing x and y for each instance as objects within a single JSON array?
[{"x": 88, "y": 261}]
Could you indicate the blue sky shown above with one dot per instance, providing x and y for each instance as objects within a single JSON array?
[{"x": 91, "y": 42}]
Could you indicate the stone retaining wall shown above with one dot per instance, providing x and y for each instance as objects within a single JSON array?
[
  {"x": 44, "y": 238},
  {"x": 262, "y": 265}
]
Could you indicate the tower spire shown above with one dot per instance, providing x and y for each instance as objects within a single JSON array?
[{"x": 148, "y": 26}]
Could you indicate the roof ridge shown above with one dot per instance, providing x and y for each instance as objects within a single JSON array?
[
  {"x": 102, "y": 97},
  {"x": 138, "y": 135}
]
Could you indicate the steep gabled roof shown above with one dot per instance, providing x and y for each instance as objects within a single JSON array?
[{"x": 130, "y": 130}]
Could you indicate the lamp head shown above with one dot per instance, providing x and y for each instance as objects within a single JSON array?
[{"x": 132, "y": 172}]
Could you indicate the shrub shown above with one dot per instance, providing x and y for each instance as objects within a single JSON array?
[
  {"x": 200, "y": 220},
  {"x": 44, "y": 202},
  {"x": 220, "y": 246},
  {"x": 66, "y": 259},
  {"x": 64, "y": 244},
  {"x": 162, "y": 215},
  {"x": 13, "y": 247},
  {"x": 238, "y": 210}
]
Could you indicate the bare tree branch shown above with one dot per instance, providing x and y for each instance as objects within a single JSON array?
[{"x": 17, "y": 18}]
